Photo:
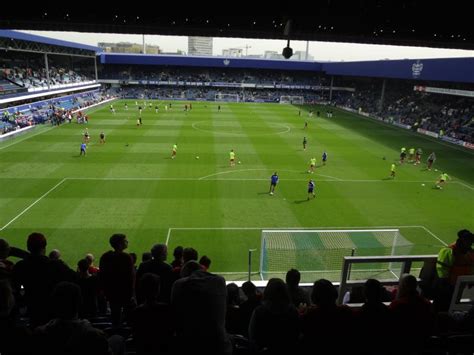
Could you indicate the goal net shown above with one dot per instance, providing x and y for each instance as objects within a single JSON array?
[
  {"x": 319, "y": 253},
  {"x": 293, "y": 100},
  {"x": 227, "y": 97}
]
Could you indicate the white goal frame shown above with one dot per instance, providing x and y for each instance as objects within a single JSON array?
[
  {"x": 227, "y": 97},
  {"x": 292, "y": 100},
  {"x": 389, "y": 240}
]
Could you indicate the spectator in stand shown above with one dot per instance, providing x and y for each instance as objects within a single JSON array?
[
  {"x": 274, "y": 325},
  {"x": 254, "y": 299},
  {"x": 190, "y": 254},
  {"x": 146, "y": 256},
  {"x": 92, "y": 268},
  {"x": 152, "y": 322},
  {"x": 117, "y": 277},
  {"x": 457, "y": 259},
  {"x": 89, "y": 285},
  {"x": 54, "y": 254},
  {"x": 233, "y": 323},
  {"x": 66, "y": 333},
  {"x": 298, "y": 295},
  {"x": 158, "y": 266},
  {"x": 199, "y": 302},
  {"x": 205, "y": 262},
  {"x": 412, "y": 315},
  {"x": 38, "y": 275},
  {"x": 6, "y": 266},
  {"x": 178, "y": 257},
  {"x": 373, "y": 318},
  {"x": 14, "y": 338},
  {"x": 321, "y": 323}
]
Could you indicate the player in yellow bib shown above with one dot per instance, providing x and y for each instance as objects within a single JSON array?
[
  {"x": 232, "y": 157},
  {"x": 392, "y": 171},
  {"x": 312, "y": 165},
  {"x": 411, "y": 155},
  {"x": 442, "y": 180},
  {"x": 173, "y": 152}
]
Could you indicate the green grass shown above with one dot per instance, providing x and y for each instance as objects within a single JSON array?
[{"x": 130, "y": 184}]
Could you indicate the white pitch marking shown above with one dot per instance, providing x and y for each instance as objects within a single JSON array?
[{"x": 34, "y": 203}]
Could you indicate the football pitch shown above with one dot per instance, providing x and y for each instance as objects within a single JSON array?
[{"x": 131, "y": 185}]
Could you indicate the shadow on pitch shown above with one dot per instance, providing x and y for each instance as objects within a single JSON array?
[{"x": 301, "y": 201}]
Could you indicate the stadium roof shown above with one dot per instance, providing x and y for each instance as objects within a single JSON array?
[
  {"x": 403, "y": 22},
  {"x": 20, "y": 36}
]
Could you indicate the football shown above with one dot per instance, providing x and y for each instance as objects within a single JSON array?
[{"x": 197, "y": 156}]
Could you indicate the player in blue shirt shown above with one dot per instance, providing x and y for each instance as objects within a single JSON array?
[
  {"x": 83, "y": 149},
  {"x": 325, "y": 157},
  {"x": 273, "y": 182},
  {"x": 311, "y": 186}
]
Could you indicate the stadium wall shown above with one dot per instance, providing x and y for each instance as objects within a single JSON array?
[
  {"x": 212, "y": 62},
  {"x": 446, "y": 69}
]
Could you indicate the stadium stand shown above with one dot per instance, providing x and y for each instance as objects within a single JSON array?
[{"x": 409, "y": 315}]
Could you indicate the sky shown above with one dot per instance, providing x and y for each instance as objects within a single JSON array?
[{"x": 321, "y": 51}]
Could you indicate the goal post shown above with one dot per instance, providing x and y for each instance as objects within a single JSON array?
[
  {"x": 319, "y": 253},
  {"x": 227, "y": 97},
  {"x": 292, "y": 100}
]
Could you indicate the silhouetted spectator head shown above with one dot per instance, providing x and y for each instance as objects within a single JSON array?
[
  {"x": 159, "y": 252},
  {"x": 36, "y": 243},
  {"x": 55, "y": 254},
  {"x": 4, "y": 249},
  {"x": 373, "y": 291},
  {"x": 189, "y": 254},
  {"x": 178, "y": 252},
  {"x": 249, "y": 289},
  {"x": 189, "y": 267},
  {"x": 66, "y": 299},
  {"x": 83, "y": 265},
  {"x": 150, "y": 286},
  {"x": 233, "y": 295},
  {"x": 293, "y": 278},
  {"x": 118, "y": 242},
  {"x": 276, "y": 293},
  {"x": 205, "y": 262},
  {"x": 90, "y": 258},
  {"x": 407, "y": 286},
  {"x": 146, "y": 256},
  {"x": 324, "y": 293},
  {"x": 465, "y": 239}
]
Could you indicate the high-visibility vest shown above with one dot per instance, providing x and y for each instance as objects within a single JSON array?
[{"x": 451, "y": 263}]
